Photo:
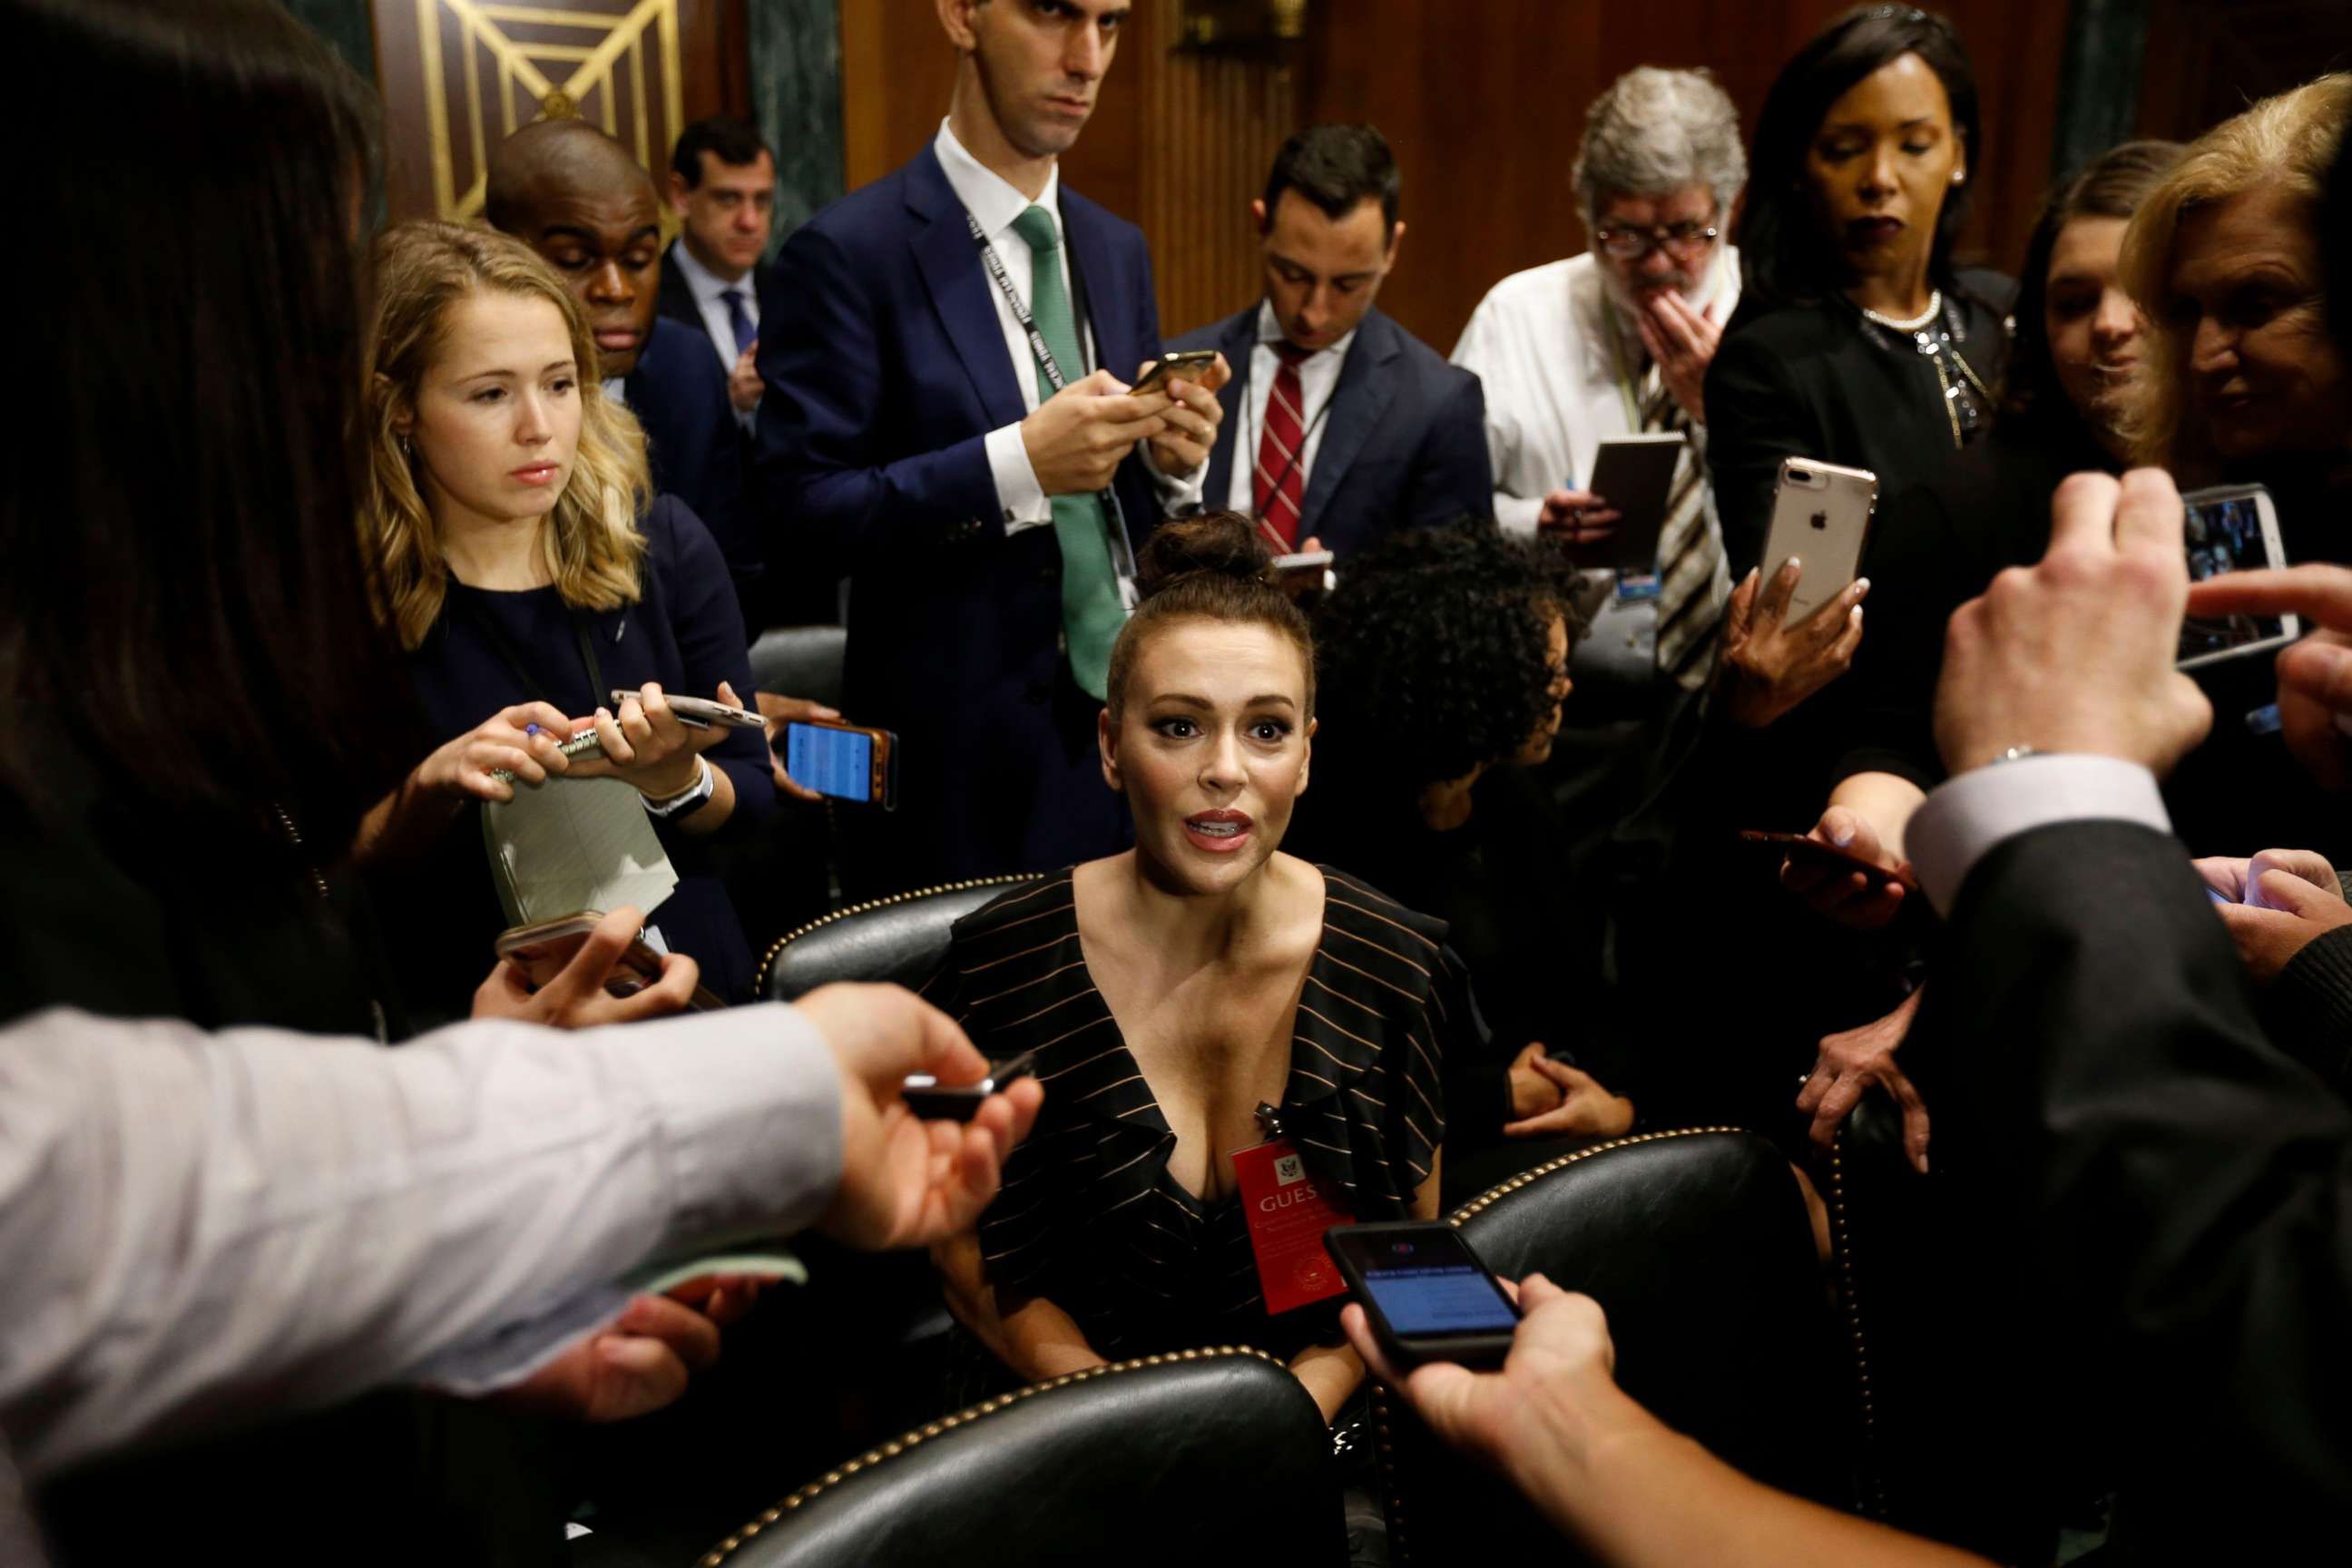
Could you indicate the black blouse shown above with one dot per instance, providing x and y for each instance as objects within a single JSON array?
[
  {"x": 1818, "y": 381},
  {"x": 1089, "y": 1218}
]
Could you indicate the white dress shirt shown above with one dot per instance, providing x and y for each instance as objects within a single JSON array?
[
  {"x": 994, "y": 202},
  {"x": 1555, "y": 354},
  {"x": 1319, "y": 378},
  {"x": 1964, "y": 818},
  {"x": 706, "y": 285},
  {"x": 1547, "y": 344},
  {"x": 198, "y": 1227}
]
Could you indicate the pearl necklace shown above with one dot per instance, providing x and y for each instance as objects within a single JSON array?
[{"x": 1935, "y": 308}]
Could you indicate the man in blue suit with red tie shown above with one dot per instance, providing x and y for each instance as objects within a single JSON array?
[{"x": 911, "y": 424}]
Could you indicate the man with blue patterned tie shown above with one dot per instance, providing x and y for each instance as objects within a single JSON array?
[
  {"x": 946, "y": 405},
  {"x": 722, "y": 186}
]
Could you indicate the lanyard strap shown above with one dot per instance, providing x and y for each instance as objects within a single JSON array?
[
  {"x": 1123, "y": 550},
  {"x": 1037, "y": 344},
  {"x": 1624, "y": 375}
]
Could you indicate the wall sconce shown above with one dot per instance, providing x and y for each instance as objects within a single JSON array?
[{"x": 1241, "y": 27}]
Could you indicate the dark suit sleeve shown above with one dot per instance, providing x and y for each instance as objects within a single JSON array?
[
  {"x": 1455, "y": 475},
  {"x": 1754, "y": 419},
  {"x": 2186, "y": 1189},
  {"x": 709, "y": 628},
  {"x": 722, "y": 508},
  {"x": 823, "y": 412}
]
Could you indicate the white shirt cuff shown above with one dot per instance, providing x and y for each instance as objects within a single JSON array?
[
  {"x": 1179, "y": 493},
  {"x": 1024, "y": 500},
  {"x": 1517, "y": 515},
  {"x": 1966, "y": 816}
]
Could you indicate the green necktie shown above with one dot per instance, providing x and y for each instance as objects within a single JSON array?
[{"x": 1091, "y": 613}]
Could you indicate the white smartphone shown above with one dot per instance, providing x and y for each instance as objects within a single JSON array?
[
  {"x": 1635, "y": 475},
  {"x": 2231, "y": 528},
  {"x": 1822, "y": 515}
]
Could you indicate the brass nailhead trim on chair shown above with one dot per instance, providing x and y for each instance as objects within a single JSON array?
[
  {"x": 930, "y": 1430},
  {"x": 1384, "y": 1413},
  {"x": 1873, "y": 1499},
  {"x": 768, "y": 959}
]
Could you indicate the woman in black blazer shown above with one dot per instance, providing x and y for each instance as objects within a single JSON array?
[{"x": 1855, "y": 340}]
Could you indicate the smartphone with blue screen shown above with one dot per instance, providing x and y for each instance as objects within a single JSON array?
[
  {"x": 1426, "y": 1292},
  {"x": 845, "y": 761}
]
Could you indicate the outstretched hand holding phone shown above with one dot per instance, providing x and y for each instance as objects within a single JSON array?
[{"x": 1606, "y": 1472}]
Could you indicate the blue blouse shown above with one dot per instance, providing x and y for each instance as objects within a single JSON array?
[{"x": 684, "y": 631}]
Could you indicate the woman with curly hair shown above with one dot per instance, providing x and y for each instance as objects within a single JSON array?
[
  {"x": 525, "y": 564},
  {"x": 1445, "y": 660}
]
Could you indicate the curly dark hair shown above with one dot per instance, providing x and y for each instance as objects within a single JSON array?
[{"x": 1432, "y": 651}]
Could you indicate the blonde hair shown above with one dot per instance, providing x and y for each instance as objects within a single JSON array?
[
  {"x": 422, "y": 271},
  {"x": 2284, "y": 143}
]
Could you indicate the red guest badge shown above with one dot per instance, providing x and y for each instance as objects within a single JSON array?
[{"x": 1288, "y": 1211}]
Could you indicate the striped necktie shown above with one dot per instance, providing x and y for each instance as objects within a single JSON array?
[
  {"x": 1693, "y": 583},
  {"x": 1279, "y": 489}
]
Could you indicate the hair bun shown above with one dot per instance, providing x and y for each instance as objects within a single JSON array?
[{"x": 1221, "y": 544}]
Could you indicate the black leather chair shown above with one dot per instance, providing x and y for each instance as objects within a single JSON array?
[
  {"x": 1966, "y": 1440},
  {"x": 1696, "y": 1243},
  {"x": 1201, "y": 1456},
  {"x": 899, "y": 939},
  {"x": 801, "y": 661},
  {"x": 880, "y": 1313}
]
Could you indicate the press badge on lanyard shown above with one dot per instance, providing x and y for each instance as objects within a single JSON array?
[
  {"x": 1122, "y": 551},
  {"x": 1287, "y": 1211}
]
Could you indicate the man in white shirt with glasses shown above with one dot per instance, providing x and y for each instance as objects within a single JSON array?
[{"x": 1616, "y": 342}]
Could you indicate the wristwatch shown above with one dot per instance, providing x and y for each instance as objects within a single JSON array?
[{"x": 670, "y": 808}]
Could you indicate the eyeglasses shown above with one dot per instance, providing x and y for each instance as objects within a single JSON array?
[{"x": 1630, "y": 244}]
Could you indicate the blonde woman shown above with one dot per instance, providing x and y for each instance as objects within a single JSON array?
[
  {"x": 2240, "y": 376},
  {"x": 529, "y": 572}
]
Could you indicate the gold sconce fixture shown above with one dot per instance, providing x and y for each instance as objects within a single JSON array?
[{"x": 1241, "y": 27}]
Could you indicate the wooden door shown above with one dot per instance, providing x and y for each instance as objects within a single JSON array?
[{"x": 459, "y": 76}]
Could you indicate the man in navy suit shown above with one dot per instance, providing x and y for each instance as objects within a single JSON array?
[
  {"x": 1341, "y": 426},
  {"x": 722, "y": 186},
  {"x": 908, "y": 422},
  {"x": 575, "y": 195}
]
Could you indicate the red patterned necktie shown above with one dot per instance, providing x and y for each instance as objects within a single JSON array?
[{"x": 1281, "y": 479}]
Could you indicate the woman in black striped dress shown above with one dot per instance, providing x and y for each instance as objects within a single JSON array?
[{"x": 1171, "y": 992}]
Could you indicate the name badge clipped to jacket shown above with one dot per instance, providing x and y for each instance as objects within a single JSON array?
[{"x": 1288, "y": 1211}]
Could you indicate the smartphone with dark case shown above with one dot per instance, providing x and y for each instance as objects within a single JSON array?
[
  {"x": 1188, "y": 364},
  {"x": 1426, "y": 1294},
  {"x": 1830, "y": 857},
  {"x": 844, "y": 760}
]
